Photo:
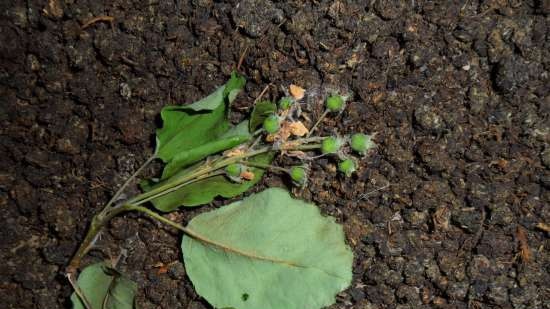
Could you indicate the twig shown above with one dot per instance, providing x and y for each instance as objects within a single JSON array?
[
  {"x": 265, "y": 166},
  {"x": 241, "y": 58},
  {"x": 129, "y": 180},
  {"x": 325, "y": 113},
  {"x": 262, "y": 93},
  {"x": 364, "y": 195},
  {"x": 94, "y": 20}
]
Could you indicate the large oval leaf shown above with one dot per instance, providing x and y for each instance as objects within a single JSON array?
[
  {"x": 268, "y": 251},
  {"x": 104, "y": 288}
]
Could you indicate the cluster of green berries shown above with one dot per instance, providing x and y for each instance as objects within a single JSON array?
[
  {"x": 272, "y": 123},
  {"x": 359, "y": 143}
]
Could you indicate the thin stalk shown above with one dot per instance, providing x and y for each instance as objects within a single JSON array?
[
  {"x": 129, "y": 180},
  {"x": 325, "y": 113},
  {"x": 201, "y": 171},
  {"x": 209, "y": 168},
  {"x": 265, "y": 166},
  {"x": 305, "y": 147},
  {"x": 150, "y": 198},
  {"x": 189, "y": 232},
  {"x": 78, "y": 291}
]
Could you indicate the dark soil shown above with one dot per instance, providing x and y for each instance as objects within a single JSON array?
[{"x": 458, "y": 93}]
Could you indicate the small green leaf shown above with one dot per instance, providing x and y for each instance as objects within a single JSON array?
[
  {"x": 268, "y": 251},
  {"x": 104, "y": 288},
  {"x": 189, "y": 126},
  {"x": 260, "y": 112},
  {"x": 204, "y": 191}
]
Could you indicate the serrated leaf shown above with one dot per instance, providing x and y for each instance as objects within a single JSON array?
[
  {"x": 190, "y": 126},
  {"x": 204, "y": 191},
  {"x": 104, "y": 288},
  {"x": 268, "y": 251},
  {"x": 261, "y": 111}
]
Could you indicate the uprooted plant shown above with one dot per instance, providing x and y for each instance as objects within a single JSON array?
[{"x": 267, "y": 251}]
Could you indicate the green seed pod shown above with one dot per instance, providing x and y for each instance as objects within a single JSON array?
[
  {"x": 285, "y": 103},
  {"x": 271, "y": 124},
  {"x": 361, "y": 143},
  {"x": 234, "y": 170},
  {"x": 298, "y": 175},
  {"x": 347, "y": 167},
  {"x": 335, "y": 103},
  {"x": 330, "y": 145}
]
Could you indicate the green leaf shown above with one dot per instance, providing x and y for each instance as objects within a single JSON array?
[
  {"x": 268, "y": 251},
  {"x": 185, "y": 158},
  {"x": 104, "y": 288},
  {"x": 189, "y": 126},
  {"x": 204, "y": 191},
  {"x": 260, "y": 112}
]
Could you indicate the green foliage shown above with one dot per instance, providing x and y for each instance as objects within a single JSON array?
[
  {"x": 231, "y": 138},
  {"x": 335, "y": 103},
  {"x": 331, "y": 145},
  {"x": 347, "y": 167},
  {"x": 268, "y": 251},
  {"x": 190, "y": 126},
  {"x": 104, "y": 288},
  {"x": 204, "y": 191},
  {"x": 271, "y": 124},
  {"x": 261, "y": 111}
]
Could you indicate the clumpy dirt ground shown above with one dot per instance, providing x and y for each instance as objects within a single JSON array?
[{"x": 443, "y": 215}]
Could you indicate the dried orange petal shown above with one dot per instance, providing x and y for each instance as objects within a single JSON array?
[
  {"x": 297, "y": 92},
  {"x": 297, "y": 128},
  {"x": 247, "y": 175}
]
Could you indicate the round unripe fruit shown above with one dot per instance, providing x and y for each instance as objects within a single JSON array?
[
  {"x": 361, "y": 143},
  {"x": 285, "y": 103},
  {"x": 271, "y": 124},
  {"x": 298, "y": 175},
  {"x": 330, "y": 145},
  {"x": 335, "y": 103},
  {"x": 347, "y": 167},
  {"x": 233, "y": 170}
]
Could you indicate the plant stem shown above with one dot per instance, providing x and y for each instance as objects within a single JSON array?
[
  {"x": 150, "y": 198},
  {"x": 129, "y": 180},
  {"x": 206, "y": 170},
  {"x": 325, "y": 113},
  {"x": 265, "y": 166}
]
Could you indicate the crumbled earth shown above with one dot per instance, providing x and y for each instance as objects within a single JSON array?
[{"x": 458, "y": 93}]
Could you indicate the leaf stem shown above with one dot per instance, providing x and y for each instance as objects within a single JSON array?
[
  {"x": 206, "y": 170},
  {"x": 265, "y": 166},
  {"x": 325, "y": 113},
  {"x": 201, "y": 177},
  {"x": 189, "y": 232},
  {"x": 130, "y": 179}
]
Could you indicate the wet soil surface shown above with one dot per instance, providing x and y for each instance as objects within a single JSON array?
[{"x": 443, "y": 215}]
